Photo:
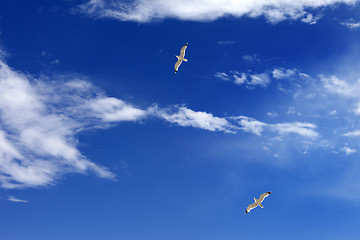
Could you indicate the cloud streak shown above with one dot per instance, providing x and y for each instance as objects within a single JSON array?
[
  {"x": 257, "y": 127},
  {"x": 274, "y": 11},
  {"x": 348, "y": 150},
  {"x": 14, "y": 199},
  {"x": 187, "y": 117},
  {"x": 351, "y": 24},
  {"x": 259, "y": 79},
  {"x": 249, "y": 80}
]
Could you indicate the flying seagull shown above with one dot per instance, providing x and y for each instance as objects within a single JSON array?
[
  {"x": 181, "y": 57},
  {"x": 257, "y": 202}
]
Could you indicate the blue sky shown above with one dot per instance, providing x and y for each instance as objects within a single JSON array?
[{"x": 99, "y": 139}]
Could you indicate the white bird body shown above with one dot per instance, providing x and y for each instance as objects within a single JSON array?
[
  {"x": 180, "y": 58},
  {"x": 257, "y": 202}
]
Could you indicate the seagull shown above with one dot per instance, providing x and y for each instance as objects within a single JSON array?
[
  {"x": 181, "y": 57},
  {"x": 257, "y": 202}
]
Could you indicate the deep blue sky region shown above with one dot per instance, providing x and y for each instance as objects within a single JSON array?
[{"x": 100, "y": 139}]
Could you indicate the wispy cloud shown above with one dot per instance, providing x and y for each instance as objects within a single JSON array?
[
  {"x": 114, "y": 110},
  {"x": 257, "y": 127},
  {"x": 281, "y": 73},
  {"x": 249, "y": 80},
  {"x": 301, "y": 128},
  {"x": 14, "y": 199},
  {"x": 222, "y": 76},
  {"x": 338, "y": 86},
  {"x": 251, "y": 58},
  {"x": 207, "y": 10},
  {"x": 348, "y": 150},
  {"x": 39, "y": 122},
  {"x": 227, "y": 42},
  {"x": 262, "y": 79},
  {"x": 271, "y": 114},
  {"x": 311, "y": 19},
  {"x": 352, "y": 134},
  {"x": 351, "y": 23},
  {"x": 186, "y": 117},
  {"x": 251, "y": 125}
]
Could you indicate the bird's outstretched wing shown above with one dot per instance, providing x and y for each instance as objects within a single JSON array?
[
  {"x": 177, "y": 64},
  {"x": 182, "y": 51},
  {"x": 263, "y": 196},
  {"x": 251, "y": 206}
]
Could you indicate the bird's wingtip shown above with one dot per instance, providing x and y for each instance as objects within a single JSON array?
[{"x": 269, "y": 192}]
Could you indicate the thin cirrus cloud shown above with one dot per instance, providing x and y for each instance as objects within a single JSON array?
[
  {"x": 335, "y": 85},
  {"x": 113, "y": 110},
  {"x": 259, "y": 79},
  {"x": 15, "y": 199},
  {"x": 348, "y": 90},
  {"x": 348, "y": 150},
  {"x": 351, "y": 24},
  {"x": 256, "y": 127},
  {"x": 352, "y": 134},
  {"x": 281, "y": 73},
  {"x": 249, "y": 80},
  {"x": 251, "y": 58},
  {"x": 187, "y": 117},
  {"x": 308, "y": 11},
  {"x": 184, "y": 116}
]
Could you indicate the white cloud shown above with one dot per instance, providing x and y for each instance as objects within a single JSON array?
[
  {"x": 187, "y": 117},
  {"x": 281, "y": 73},
  {"x": 271, "y": 114},
  {"x": 251, "y": 125},
  {"x": 257, "y": 127},
  {"x": 222, "y": 76},
  {"x": 352, "y": 134},
  {"x": 56, "y": 62},
  {"x": 249, "y": 80},
  {"x": 240, "y": 80},
  {"x": 337, "y": 86},
  {"x": 300, "y": 128},
  {"x": 207, "y": 10},
  {"x": 251, "y": 58},
  {"x": 351, "y": 23},
  {"x": 114, "y": 110},
  {"x": 333, "y": 112},
  {"x": 262, "y": 80},
  {"x": 39, "y": 121},
  {"x": 14, "y": 199},
  {"x": 348, "y": 150},
  {"x": 259, "y": 79},
  {"x": 357, "y": 109},
  {"x": 311, "y": 19},
  {"x": 291, "y": 110}
]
